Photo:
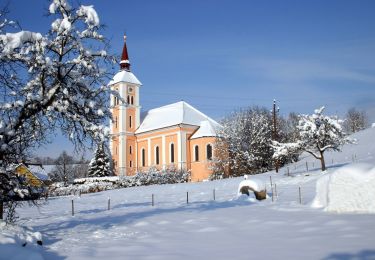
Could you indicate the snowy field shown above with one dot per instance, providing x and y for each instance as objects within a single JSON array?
[{"x": 228, "y": 227}]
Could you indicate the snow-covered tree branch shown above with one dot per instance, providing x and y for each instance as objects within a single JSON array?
[
  {"x": 317, "y": 133},
  {"x": 55, "y": 80}
]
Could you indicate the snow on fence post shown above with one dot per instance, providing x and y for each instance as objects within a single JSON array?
[
  {"x": 307, "y": 167},
  {"x": 300, "y": 195},
  {"x": 109, "y": 203},
  {"x": 72, "y": 207},
  {"x": 187, "y": 197}
]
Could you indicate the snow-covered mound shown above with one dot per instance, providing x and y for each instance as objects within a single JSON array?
[
  {"x": 17, "y": 243},
  {"x": 255, "y": 184},
  {"x": 349, "y": 189}
]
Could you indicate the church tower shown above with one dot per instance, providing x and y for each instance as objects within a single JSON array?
[{"x": 126, "y": 117}]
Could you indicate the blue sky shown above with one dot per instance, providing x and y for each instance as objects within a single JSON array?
[{"x": 224, "y": 54}]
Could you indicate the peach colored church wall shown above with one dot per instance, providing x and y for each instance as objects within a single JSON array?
[
  {"x": 142, "y": 145},
  {"x": 115, "y": 153},
  {"x": 171, "y": 139},
  {"x": 131, "y": 155},
  {"x": 156, "y": 142},
  {"x": 201, "y": 169},
  {"x": 131, "y": 127}
]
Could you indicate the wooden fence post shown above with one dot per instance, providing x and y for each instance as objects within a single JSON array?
[
  {"x": 214, "y": 194},
  {"x": 300, "y": 195},
  {"x": 72, "y": 207},
  {"x": 187, "y": 197},
  {"x": 109, "y": 203},
  {"x": 288, "y": 171},
  {"x": 152, "y": 200},
  {"x": 275, "y": 190},
  {"x": 307, "y": 167}
]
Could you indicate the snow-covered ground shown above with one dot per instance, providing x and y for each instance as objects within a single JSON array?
[{"x": 230, "y": 227}]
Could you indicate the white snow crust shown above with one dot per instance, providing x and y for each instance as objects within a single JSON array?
[
  {"x": 125, "y": 76},
  {"x": 348, "y": 189},
  {"x": 206, "y": 129}
]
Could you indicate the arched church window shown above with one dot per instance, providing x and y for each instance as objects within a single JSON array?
[
  {"x": 196, "y": 153},
  {"x": 131, "y": 100},
  {"x": 157, "y": 155},
  {"x": 143, "y": 158},
  {"x": 130, "y": 121},
  {"x": 172, "y": 152},
  {"x": 209, "y": 152},
  {"x": 128, "y": 99},
  {"x": 130, "y": 149}
]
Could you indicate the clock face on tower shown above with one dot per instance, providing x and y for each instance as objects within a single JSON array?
[{"x": 130, "y": 90}]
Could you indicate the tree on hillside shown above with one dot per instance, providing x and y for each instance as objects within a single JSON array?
[
  {"x": 50, "y": 81},
  {"x": 100, "y": 165},
  {"x": 317, "y": 134},
  {"x": 355, "y": 120}
]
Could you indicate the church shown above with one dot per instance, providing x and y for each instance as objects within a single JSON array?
[{"x": 172, "y": 136}]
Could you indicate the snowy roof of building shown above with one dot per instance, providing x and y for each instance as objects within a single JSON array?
[
  {"x": 125, "y": 76},
  {"x": 171, "y": 115},
  {"x": 206, "y": 129}
]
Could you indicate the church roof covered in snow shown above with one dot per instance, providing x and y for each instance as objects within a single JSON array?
[
  {"x": 206, "y": 129},
  {"x": 125, "y": 76},
  {"x": 171, "y": 115}
]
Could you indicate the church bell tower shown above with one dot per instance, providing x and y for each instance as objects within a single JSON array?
[{"x": 126, "y": 117}]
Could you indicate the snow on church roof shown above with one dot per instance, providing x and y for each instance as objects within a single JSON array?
[
  {"x": 173, "y": 114},
  {"x": 125, "y": 76},
  {"x": 206, "y": 129}
]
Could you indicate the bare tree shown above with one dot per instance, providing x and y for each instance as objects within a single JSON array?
[{"x": 355, "y": 120}]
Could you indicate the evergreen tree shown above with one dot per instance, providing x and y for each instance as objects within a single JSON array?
[{"x": 100, "y": 165}]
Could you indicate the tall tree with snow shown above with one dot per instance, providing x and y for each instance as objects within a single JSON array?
[
  {"x": 317, "y": 134},
  {"x": 244, "y": 146},
  {"x": 100, "y": 165},
  {"x": 52, "y": 81}
]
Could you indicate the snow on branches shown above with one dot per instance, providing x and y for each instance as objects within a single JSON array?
[
  {"x": 317, "y": 133},
  {"x": 55, "y": 80},
  {"x": 100, "y": 165}
]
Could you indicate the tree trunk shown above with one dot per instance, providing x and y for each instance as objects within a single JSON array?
[
  {"x": 1, "y": 209},
  {"x": 323, "y": 163}
]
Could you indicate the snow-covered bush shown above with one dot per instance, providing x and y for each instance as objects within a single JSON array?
[
  {"x": 96, "y": 184},
  {"x": 254, "y": 185}
]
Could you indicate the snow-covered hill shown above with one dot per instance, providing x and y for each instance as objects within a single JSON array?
[{"x": 228, "y": 227}]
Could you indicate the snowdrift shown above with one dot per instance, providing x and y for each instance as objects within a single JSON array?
[
  {"x": 18, "y": 243},
  {"x": 349, "y": 189}
]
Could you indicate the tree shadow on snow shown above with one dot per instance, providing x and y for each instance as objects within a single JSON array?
[
  {"x": 107, "y": 221},
  {"x": 361, "y": 255}
]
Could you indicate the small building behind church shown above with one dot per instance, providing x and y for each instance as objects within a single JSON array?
[{"x": 172, "y": 136}]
